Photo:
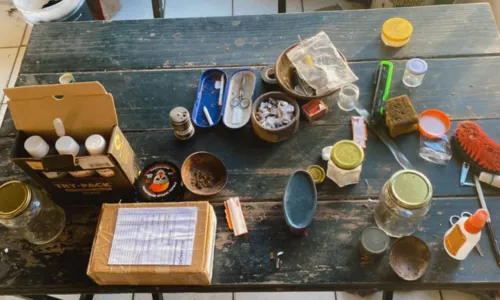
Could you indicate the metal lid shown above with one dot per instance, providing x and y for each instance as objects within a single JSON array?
[
  {"x": 179, "y": 115},
  {"x": 317, "y": 173},
  {"x": 410, "y": 189},
  {"x": 15, "y": 196},
  {"x": 417, "y": 66},
  {"x": 374, "y": 240},
  {"x": 160, "y": 182},
  {"x": 347, "y": 154}
]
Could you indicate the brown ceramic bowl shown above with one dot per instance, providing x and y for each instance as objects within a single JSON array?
[
  {"x": 280, "y": 134},
  {"x": 410, "y": 258},
  {"x": 199, "y": 164},
  {"x": 284, "y": 76}
]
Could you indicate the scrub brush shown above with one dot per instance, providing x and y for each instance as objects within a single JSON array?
[{"x": 477, "y": 147}]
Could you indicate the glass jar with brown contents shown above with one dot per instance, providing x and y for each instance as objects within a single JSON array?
[
  {"x": 404, "y": 201},
  {"x": 30, "y": 213}
]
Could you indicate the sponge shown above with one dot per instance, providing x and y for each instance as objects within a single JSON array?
[{"x": 400, "y": 116}]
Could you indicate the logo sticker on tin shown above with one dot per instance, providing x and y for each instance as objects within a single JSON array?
[{"x": 160, "y": 180}]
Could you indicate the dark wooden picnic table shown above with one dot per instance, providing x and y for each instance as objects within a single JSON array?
[{"x": 151, "y": 66}]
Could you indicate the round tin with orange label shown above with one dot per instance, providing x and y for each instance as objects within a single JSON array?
[{"x": 160, "y": 182}]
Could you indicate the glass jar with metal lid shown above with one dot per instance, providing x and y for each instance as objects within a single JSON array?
[
  {"x": 404, "y": 201},
  {"x": 30, "y": 213},
  {"x": 344, "y": 166}
]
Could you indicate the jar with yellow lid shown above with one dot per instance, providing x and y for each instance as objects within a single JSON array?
[
  {"x": 403, "y": 203},
  {"x": 396, "y": 32},
  {"x": 29, "y": 212},
  {"x": 344, "y": 166}
]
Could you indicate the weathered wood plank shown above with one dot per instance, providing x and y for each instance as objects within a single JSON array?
[
  {"x": 465, "y": 88},
  {"x": 327, "y": 258},
  {"x": 450, "y": 30},
  {"x": 259, "y": 171}
]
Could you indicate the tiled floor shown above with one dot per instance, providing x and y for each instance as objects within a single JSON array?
[
  {"x": 142, "y": 9},
  {"x": 14, "y": 35}
]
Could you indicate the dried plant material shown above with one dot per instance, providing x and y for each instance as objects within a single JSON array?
[{"x": 203, "y": 179}]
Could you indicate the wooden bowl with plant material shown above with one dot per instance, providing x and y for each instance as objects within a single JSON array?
[
  {"x": 284, "y": 76},
  {"x": 279, "y": 134},
  {"x": 204, "y": 174},
  {"x": 410, "y": 257}
]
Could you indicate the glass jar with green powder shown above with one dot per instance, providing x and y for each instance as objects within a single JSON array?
[{"x": 404, "y": 201}]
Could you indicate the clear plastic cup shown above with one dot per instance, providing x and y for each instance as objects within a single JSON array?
[{"x": 348, "y": 97}]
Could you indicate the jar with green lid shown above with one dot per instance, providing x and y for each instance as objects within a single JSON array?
[
  {"x": 404, "y": 201},
  {"x": 29, "y": 212},
  {"x": 344, "y": 166}
]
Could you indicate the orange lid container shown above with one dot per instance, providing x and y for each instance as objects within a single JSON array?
[
  {"x": 433, "y": 123},
  {"x": 475, "y": 223}
]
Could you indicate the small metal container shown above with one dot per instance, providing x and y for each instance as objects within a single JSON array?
[
  {"x": 404, "y": 201},
  {"x": 181, "y": 122},
  {"x": 410, "y": 257},
  {"x": 160, "y": 182},
  {"x": 374, "y": 241},
  {"x": 30, "y": 212},
  {"x": 317, "y": 173}
]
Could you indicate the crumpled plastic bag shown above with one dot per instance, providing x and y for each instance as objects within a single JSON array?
[{"x": 320, "y": 65}]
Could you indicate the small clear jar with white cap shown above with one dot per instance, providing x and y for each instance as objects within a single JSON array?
[{"x": 414, "y": 72}]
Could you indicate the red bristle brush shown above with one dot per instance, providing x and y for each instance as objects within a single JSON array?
[{"x": 477, "y": 147}]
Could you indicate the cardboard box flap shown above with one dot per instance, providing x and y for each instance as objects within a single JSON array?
[{"x": 85, "y": 108}]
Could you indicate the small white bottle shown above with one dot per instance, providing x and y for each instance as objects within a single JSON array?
[
  {"x": 67, "y": 145},
  {"x": 96, "y": 145},
  {"x": 463, "y": 236},
  {"x": 37, "y": 147}
]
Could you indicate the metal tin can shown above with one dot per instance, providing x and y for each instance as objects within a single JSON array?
[
  {"x": 160, "y": 182},
  {"x": 374, "y": 241},
  {"x": 30, "y": 212},
  {"x": 181, "y": 122},
  {"x": 404, "y": 201},
  {"x": 317, "y": 173}
]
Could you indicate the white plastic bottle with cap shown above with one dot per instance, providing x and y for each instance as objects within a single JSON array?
[
  {"x": 67, "y": 145},
  {"x": 37, "y": 147},
  {"x": 464, "y": 235},
  {"x": 96, "y": 145}
]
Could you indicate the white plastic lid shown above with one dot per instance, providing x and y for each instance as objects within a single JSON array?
[
  {"x": 36, "y": 146},
  {"x": 67, "y": 145},
  {"x": 95, "y": 144}
]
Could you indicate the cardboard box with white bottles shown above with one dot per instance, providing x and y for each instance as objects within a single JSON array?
[{"x": 84, "y": 109}]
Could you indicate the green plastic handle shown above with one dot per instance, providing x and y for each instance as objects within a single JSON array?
[{"x": 387, "y": 87}]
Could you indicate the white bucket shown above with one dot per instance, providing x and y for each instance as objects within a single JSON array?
[{"x": 33, "y": 12}]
